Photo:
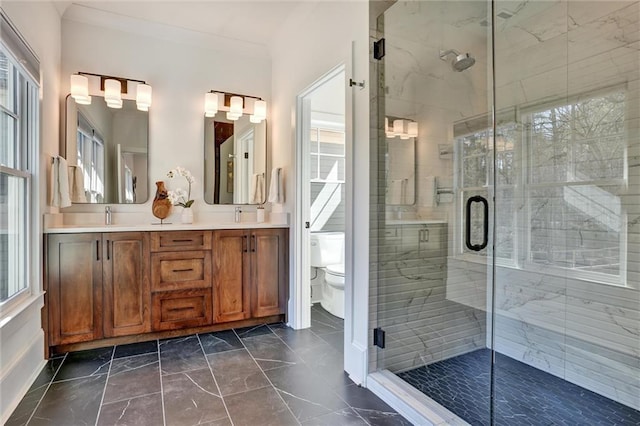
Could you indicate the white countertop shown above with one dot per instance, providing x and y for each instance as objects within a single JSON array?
[
  {"x": 127, "y": 222},
  {"x": 415, "y": 222},
  {"x": 70, "y": 229}
]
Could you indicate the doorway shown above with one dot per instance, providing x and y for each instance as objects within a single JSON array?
[{"x": 321, "y": 204}]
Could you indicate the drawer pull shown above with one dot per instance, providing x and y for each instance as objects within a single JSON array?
[
  {"x": 182, "y": 241},
  {"x": 184, "y": 308},
  {"x": 183, "y": 270}
]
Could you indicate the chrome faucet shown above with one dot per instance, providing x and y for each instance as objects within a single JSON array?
[
  {"x": 107, "y": 215},
  {"x": 237, "y": 217}
]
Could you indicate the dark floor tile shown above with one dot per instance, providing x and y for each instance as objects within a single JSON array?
[
  {"x": 30, "y": 401},
  {"x": 256, "y": 330},
  {"x": 359, "y": 397},
  {"x": 336, "y": 340},
  {"x": 297, "y": 339},
  {"x": 305, "y": 398},
  {"x": 523, "y": 394},
  {"x": 259, "y": 407},
  {"x": 72, "y": 402},
  {"x": 191, "y": 398},
  {"x": 220, "y": 341},
  {"x": 270, "y": 352},
  {"x": 323, "y": 322},
  {"x": 236, "y": 371},
  {"x": 133, "y": 349},
  {"x": 382, "y": 418},
  {"x": 181, "y": 354},
  {"x": 344, "y": 417},
  {"x": 141, "y": 411},
  {"x": 326, "y": 363},
  {"x": 93, "y": 362},
  {"x": 132, "y": 377}
]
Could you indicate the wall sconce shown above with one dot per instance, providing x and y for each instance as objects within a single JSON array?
[
  {"x": 113, "y": 88},
  {"x": 405, "y": 129},
  {"x": 235, "y": 106}
]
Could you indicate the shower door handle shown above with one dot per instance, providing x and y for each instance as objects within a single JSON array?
[{"x": 485, "y": 230}]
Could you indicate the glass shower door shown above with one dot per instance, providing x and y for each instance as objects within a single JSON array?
[{"x": 431, "y": 258}]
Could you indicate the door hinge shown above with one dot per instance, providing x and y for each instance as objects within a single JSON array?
[
  {"x": 378, "y": 337},
  {"x": 359, "y": 84},
  {"x": 378, "y": 49}
]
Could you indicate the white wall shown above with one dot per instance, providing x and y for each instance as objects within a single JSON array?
[
  {"x": 317, "y": 38},
  {"x": 21, "y": 337},
  {"x": 180, "y": 73}
]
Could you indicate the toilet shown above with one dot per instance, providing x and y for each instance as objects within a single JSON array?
[{"x": 327, "y": 253}]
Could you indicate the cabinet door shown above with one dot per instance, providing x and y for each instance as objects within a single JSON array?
[
  {"x": 74, "y": 271},
  {"x": 127, "y": 296},
  {"x": 231, "y": 275},
  {"x": 269, "y": 271}
]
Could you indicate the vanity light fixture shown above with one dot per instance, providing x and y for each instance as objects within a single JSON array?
[
  {"x": 143, "y": 97},
  {"x": 80, "y": 89},
  {"x": 113, "y": 88},
  {"x": 235, "y": 106},
  {"x": 405, "y": 129},
  {"x": 210, "y": 104}
]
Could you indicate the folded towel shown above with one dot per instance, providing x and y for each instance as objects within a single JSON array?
[
  {"x": 60, "y": 183},
  {"x": 76, "y": 185},
  {"x": 276, "y": 190},
  {"x": 257, "y": 189}
]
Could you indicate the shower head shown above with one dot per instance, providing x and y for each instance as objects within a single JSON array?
[{"x": 461, "y": 62}]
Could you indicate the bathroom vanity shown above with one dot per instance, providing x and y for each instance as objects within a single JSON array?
[{"x": 109, "y": 285}]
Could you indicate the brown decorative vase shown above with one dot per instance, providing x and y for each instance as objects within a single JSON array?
[{"x": 161, "y": 205}]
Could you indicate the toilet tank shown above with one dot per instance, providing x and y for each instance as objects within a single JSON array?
[{"x": 327, "y": 248}]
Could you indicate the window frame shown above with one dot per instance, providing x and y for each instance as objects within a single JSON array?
[
  {"x": 25, "y": 139},
  {"x": 523, "y": 187},
  {"x": 320, "y": 155}
]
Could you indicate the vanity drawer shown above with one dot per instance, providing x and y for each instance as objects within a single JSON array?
[
  {"x": 179, "y": 309},
  {"x": 180, "y": 240},
  {"x": 180, "y": 270}
]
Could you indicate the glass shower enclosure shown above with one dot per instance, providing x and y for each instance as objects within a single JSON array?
[{"x": 505, "y": 239}]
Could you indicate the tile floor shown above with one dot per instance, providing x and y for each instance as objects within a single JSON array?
[
  {"x": 524, "y": 394},
  {"x": 264, "y": 375}
]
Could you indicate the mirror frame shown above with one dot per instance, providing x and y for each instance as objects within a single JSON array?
[
  {"x": 64, "y": 146},
  {"x": 209, "y": 195}
]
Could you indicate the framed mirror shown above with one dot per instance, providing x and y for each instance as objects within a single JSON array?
[
  {"x": 107, "y": 152},
  {"x": 235, "y": 160},
  {"x": 401, "y": 171}
]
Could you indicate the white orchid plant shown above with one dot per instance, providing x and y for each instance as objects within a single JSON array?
[{"x": 180, "y": 197}]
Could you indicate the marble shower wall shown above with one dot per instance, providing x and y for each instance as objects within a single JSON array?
[{"x": 584, "y": 331}]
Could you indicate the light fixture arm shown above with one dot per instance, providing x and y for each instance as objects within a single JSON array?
[{"x": 123, "y": 81}]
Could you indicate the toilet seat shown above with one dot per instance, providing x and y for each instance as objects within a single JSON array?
[{"x": 336, "y": 269}]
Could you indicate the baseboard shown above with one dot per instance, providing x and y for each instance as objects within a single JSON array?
[{"x": 23, "y": 371}]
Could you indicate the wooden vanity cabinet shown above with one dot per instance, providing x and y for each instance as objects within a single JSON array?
[
  {"x": 250, "y": 273},
  {"x": 127, "y": 299},
  {"x": 74, "y": 287},
  {"x": 181, "y": 279},
  {"x": 98, "y": 286}
]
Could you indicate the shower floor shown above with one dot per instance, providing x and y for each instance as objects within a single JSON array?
[{"x": 524, "y": 394}]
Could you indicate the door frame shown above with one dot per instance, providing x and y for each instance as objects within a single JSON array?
[{"x": 301, "y": 315}]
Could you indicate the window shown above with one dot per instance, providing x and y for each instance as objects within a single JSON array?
[
  {"x": 476, "y": 174},
  {"x": 565, "y": 164},
  {"x": 327, "y": 155},
  {"x": 577, "y": 164},
  {"x": 19, "y": 127},
  {"x": 90, "y": 158}
]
